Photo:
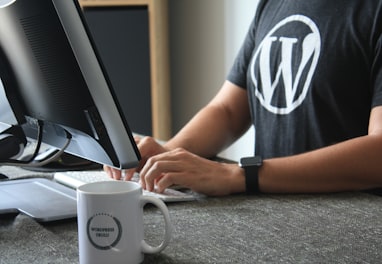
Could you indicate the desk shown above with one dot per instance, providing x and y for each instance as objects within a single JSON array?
[{"x": 340, "y": 228}]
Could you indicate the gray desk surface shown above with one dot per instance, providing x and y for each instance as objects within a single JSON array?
[{"x": 336, "y": 228}]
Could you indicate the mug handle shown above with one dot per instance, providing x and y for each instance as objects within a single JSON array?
[{"x": 146, "y": 248}]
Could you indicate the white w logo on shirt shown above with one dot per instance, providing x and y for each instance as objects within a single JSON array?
[{"x": 310, "y": 51}]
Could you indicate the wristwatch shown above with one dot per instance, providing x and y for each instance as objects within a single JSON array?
[{"x": 251, "y": 167}]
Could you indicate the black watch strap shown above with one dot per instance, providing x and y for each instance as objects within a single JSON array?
[
  {"x": 251, "y": 179},
  {"x": 251, "y": 167}
]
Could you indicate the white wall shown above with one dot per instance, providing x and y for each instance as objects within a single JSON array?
[{"x": 205, "y": 36}]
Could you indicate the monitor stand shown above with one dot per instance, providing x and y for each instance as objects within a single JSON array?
[{"x": 66, "y": 162}]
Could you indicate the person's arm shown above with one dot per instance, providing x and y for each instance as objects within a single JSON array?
[
  {"x": 354, "y": 164},
  {"x": 217, "y": 125},
  {"x": 214, "y": 127}
]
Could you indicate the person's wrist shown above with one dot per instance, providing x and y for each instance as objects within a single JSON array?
[
  {"x": 251, "y": 166},
  {"x": 237, "y": 182}
]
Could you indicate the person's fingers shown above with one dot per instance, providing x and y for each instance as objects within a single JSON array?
[
  {"x": 137, "y": 139},
  {"x": 158, "y": 166},
  {"x": 128, "y": 174},
  {"x": 165, "y": 181},
  {"x": 107, "y": 169},
  {"x": 113, "y": 173}
]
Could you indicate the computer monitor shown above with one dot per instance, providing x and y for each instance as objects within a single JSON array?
[{"x": 51, "y": 75}]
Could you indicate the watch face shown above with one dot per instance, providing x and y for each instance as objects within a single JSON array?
[{"x": 251, "y": 161}]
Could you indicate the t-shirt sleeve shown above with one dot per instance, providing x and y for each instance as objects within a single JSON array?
[
  {"x": 376, "y": 75},
  {"x": 238, "y": 72}
]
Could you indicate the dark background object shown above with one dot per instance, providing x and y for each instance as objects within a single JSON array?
[{"x": 121, "y": 36}]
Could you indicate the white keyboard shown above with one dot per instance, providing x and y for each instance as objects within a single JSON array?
[{"x": 74, "y": 179}]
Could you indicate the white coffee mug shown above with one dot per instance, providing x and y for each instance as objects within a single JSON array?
[{"x": 110, "y": 223}]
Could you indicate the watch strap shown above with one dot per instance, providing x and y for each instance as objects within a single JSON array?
[
  {"x": 251, "y": 179},
  {"x": 251, "y": 167}
]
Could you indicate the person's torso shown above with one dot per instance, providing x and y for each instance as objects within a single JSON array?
[{"x": 310, "y": 74}]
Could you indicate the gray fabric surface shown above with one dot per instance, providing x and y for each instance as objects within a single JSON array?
[
  {"x": 336, "y": 228},
  {"x": 342, "y": 228}
]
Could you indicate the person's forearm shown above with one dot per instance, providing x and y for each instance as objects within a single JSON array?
[
  {"x": 352, "y": 165},
  {"x": 217, "y": 125},
  {"x": 203, "y": 135}
]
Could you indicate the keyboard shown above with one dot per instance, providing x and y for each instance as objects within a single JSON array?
[{"x": 74, "y": 179}]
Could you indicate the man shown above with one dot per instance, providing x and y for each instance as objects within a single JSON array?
[{"x": 309, "y": 78}]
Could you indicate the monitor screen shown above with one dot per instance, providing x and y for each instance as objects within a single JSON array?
[{"x": 51, "y": 75}]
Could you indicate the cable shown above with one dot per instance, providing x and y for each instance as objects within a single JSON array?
[
  {"x": 43, "y": 162},
  {"x": 39, "y": 142},
  {"x": 53, "y": 157},
  {"x": 36, "y": 151}
]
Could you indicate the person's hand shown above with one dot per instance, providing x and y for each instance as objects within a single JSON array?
[
  {"x": 148, "y": 147},
  {"x": 180, "y": 167}
]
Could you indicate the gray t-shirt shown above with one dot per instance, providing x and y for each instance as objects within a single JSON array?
[{"x": 313, "y": 71}]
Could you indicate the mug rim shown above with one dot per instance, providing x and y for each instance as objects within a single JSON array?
[{"x": 109, "y": 187}]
